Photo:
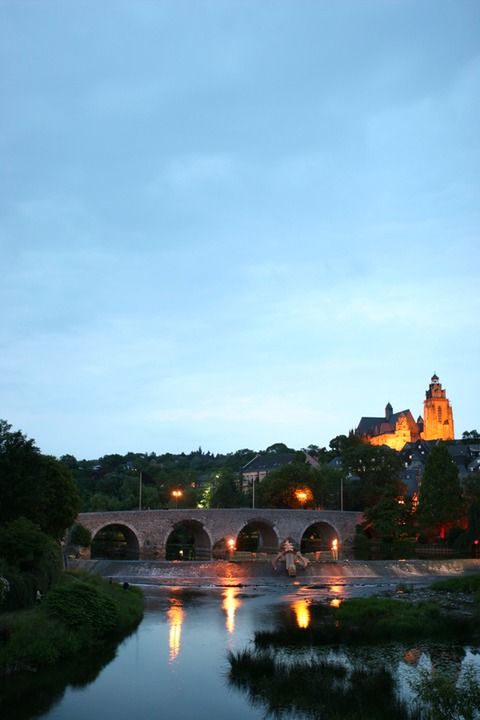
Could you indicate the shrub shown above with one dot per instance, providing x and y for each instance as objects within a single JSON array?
[{"x": 83, "y": 606}]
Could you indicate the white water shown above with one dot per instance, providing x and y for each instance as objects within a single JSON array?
[{"x": 224, "y": 573}]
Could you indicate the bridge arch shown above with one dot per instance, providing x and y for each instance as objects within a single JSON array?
[
  {"x": 115, "y": 540},
  {"x": 188, "y": 539},
  {"x": 257, "y": 535},
  {"x": 318, "y": 537}
]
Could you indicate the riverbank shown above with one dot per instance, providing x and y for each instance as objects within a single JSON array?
[
  {"x": 218, "y": 572},
  {"x": 80, "y": 613}
]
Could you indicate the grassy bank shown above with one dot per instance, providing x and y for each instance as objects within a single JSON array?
[{"x": 80, "y": 612}]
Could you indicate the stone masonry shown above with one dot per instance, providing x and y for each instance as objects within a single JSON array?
[{"x": 147, "y": 531}]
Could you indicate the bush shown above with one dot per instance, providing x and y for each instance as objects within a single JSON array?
[
  {"x": 81, "y": 605},
  {"x": 73, "y": 616}
]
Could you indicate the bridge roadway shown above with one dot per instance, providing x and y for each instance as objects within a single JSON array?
[{"x": 147, "y": 531}]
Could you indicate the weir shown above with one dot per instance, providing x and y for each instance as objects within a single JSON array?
[{"x": 258, "y": 572}]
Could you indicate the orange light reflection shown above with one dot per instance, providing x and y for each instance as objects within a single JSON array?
[
  {"x": 230, "y": 604},
  {"x": 336, "y": 601},
  {"x": 302, "y": 613},
  {"x": 175, "y": 615}
]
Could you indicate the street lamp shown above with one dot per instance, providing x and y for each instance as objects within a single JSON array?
[
  {"x": 253, "y": 490},
  {"x": 301, "y": 496},
  {"x": 177, "y": 494}
]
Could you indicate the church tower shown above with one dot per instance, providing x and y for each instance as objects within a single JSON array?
[{"x": 437, "y": 413}]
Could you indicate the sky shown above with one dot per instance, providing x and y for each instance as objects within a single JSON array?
[{"x": 228, "y": 224}]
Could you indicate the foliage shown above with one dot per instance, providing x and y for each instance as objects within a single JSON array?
[
  {"x": 469, "y": 541},
  {"x": 58, "y": 501},
  {"x": 440, "y": 503},
  {"x": 443, "y": 698},
  {"x": 279, "y": 488},
  {"x": 378, "y": 473},
  {"x": 279, "y": 449},
  {"x": 112, "y": 482},
  {"x": 34, "y": 486},
  {"x": 22, "y": 544},
  {"x": 471, "y": 436},
  {"x": 361, "y": 546},
  {"x": 61, "y": 627},
  {"x": 82, "y": 605},
  {"x": 299, "y": 485},
  {"x": 342, "y": 443},
  {"x": 80, "y": 535},
  {"x": 390, "y": 516},
  {"x": 223, "y": 491}
]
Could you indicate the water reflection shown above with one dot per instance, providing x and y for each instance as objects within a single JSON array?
[
  {"x": 175, "y": 616},
  {"x": 302, "y": 613},
  {"x": 147, "y": 675},
  {"x": 230, "y": 604},
  {"x": 336, "y": 601}
]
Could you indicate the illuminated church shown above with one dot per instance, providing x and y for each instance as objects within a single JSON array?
[{"x": 397, "y": 429}]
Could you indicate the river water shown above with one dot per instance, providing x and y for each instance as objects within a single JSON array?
[{"x": 175, "y": 664}]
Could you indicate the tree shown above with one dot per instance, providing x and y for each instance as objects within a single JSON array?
[
  {"x": 389, "y": 517},
  {"x": 80, "y": 535},
  {"x": 378, "y": 473},
  {"x": 23, "y": 545},
  {"x": 289, "y": 487},
  {"x": 279, "y": 448},
  {"x": 224, "y": 491},
  {"x": 470, "y": 435},
  {"x": 35, "y": 486},
  {"x": 18, "y": 465},
  {"x": 58, "y": 499},
  {"x": 471, "y": 537},
  {"x": 440, "y": 503},
  {"x": 341, "y": 443}
]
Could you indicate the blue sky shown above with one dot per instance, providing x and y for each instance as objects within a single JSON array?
[{"x": 230, "y": 224}]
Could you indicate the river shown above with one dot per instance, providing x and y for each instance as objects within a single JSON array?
[{"x": 175, "y": 664}]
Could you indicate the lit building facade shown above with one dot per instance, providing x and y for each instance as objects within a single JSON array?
[{"x": 397, "y": 429}]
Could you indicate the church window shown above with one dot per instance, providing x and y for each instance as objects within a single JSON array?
[{"x": 439, "y": 414}]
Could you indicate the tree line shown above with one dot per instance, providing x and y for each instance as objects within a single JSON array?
[{"x": 48, "y": 493}]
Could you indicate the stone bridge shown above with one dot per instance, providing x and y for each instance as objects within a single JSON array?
[{"x": 214, "y": 532}]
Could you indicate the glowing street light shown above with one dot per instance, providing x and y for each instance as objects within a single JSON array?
[
  {"x": 231, "y": 547},
  {"x": 335, "y": 549},
  {"x": 301, "y": 496},
  {"x": 176, "y": 494}
]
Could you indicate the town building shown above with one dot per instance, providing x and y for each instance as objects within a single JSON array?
[{"x": 397, "y": 429}]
